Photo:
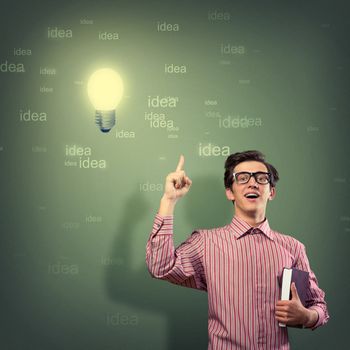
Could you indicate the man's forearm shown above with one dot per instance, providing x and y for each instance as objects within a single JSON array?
[{"x": 166, "y": 207}]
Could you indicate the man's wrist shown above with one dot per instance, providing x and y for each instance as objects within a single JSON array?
[
  {"x": 311, "y": 318},
  {"x": 166, "y": 207}
]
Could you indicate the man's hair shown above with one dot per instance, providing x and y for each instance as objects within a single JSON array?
[{"x": 239, "y": 157}]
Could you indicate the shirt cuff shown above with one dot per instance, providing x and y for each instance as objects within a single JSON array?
[
  {"x": 320, "y": 319},
  {"x": 163, "y": 224}
]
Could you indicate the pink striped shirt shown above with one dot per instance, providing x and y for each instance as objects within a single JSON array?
[{"x": 238, "y": 266}]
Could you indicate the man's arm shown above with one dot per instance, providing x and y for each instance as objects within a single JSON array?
[
  {"x": 183, "y": 265},
  {"x": 292, "y": 312},
  {"x": 315, "y": 302}
]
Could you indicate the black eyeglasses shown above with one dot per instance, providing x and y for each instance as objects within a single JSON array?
[{"x": 244, "y": 176}]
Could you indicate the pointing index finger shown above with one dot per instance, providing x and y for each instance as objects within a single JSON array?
[{"x": 181, "y": 163}]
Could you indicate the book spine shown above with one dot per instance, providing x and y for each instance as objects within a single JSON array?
[{"x": 286, "y": 281}]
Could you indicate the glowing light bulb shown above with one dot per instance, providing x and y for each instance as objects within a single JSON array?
[{"x": 105, "y": 90}]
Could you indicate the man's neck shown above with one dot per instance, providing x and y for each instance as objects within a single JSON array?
[{"x": 253, "y": 219}]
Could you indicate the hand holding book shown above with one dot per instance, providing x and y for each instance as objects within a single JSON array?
[{"x": 291, "y": 310}]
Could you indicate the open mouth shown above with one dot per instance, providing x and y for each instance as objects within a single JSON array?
[{"x": 252, "y": 196}]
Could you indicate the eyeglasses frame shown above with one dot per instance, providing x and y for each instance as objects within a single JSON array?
[{"x": 254, "y": 174}]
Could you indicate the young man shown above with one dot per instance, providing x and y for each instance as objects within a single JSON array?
[{"x": 239, "y": 264}]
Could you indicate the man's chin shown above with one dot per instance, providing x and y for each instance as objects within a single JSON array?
[
  {"x": 251, "y": 207},
  {"x": 251, "y": 210}
]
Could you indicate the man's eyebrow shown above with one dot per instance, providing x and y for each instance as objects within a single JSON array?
[{"x": 247, "y": 171}]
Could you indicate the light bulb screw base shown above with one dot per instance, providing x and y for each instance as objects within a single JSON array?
[{"x": 105, "y": 120}]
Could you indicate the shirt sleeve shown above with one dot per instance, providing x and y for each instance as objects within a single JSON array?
[
  {"x": 182, "y": 266},
  {"x": 315, "y": 295}
]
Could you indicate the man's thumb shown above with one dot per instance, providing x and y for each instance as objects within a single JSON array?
[{"x": 294, "y": 291}]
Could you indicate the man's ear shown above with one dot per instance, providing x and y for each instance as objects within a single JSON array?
[
  {"x": 272, "y": 193},
  {"x": 229, "y": 194}
]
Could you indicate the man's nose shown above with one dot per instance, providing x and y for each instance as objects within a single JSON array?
[{"x": 253, "y": 182}]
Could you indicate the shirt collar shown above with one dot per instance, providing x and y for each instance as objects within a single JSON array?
[{"x": 240, "y": 227}]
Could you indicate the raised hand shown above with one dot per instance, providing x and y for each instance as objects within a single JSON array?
[{"x": 177, "y": 184}]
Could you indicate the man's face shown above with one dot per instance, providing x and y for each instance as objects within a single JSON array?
[{"x": 238, "y": 192}]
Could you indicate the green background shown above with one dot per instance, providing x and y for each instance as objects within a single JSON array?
[{"x": 67, "y": 283}]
